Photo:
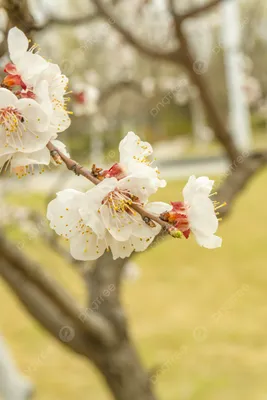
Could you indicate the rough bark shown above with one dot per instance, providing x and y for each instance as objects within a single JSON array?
[
  {"x": 121, "y": 366},
  {"x": 125, "y": 374}
]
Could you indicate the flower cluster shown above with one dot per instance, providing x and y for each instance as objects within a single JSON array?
[
  {"x": 115, "y": 215},
  {"x": 105, "y": 217},
  {"x": 32, "y": 105}
]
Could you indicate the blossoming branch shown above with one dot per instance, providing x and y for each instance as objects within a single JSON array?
[{"x": 114, "y": 215}]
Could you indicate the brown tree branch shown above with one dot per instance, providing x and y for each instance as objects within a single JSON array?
[
  {"x": 118, "y": 86},
  {"x": 3, "y": 45},
  {"x": 189, "y": 63},
  {"x": 65, "y": 22},
  {"x": 95, "y": 326},
  {"x": 237, "y": 177},
  {"x": 18, "y": 14},
  {"x": 43, "y": 309},
  {"x": 198, "y": 10},
  {"x": 169, "y": 56}
]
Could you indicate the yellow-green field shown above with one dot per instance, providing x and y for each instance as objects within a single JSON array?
[{"x": 202, "y": 314}]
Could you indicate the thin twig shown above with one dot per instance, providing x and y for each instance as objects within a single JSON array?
[{"x": 71, "y": 164}]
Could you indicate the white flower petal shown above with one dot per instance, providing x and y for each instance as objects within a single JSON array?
[
  {"x": 202, "y": 185},
  {"x": 41, "y": 157},
  {"x": 34, "y": 115},
  {"x": 7, "y": 98},
  {"x": 120, "y": 249},
  {"x": 63, "y": 213},
  {"x": 132, "y": 148},
  {"x": 209, "y": 242},
  {"x": 189, "y": 189},
  {"x": 51, "y": 73},
  {"x": 3, "y": 159},
  {"x": 60, "y": 120},
  {"x": 56, "y": 80},
  {"x": 119, "y": 225},
  {"x": 86, "y": 247},
  {"x": 141, "y": 244},
  {"x": 5, "y": 148},
  {"x": 140, "y": 185},
  {"x": 93, "y": 220},
  {"x": 42, "y": 97},
  {"x": 30, "y": 66},
  {"x": 142, "y": 230},
  {"x": 17, "y": 44},
  {"x": 125, "y": 249},
  {"x": 31, "y": 134},
  {"x": 158, "y": 207},
  {"x": 202, "y": 216},
  {"x": 96, "y": 195}
]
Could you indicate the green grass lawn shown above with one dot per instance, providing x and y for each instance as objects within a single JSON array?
[{"x": 202, "y": 314}]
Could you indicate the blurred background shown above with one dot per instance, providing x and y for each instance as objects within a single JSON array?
[{"x": 198, "y": 317}]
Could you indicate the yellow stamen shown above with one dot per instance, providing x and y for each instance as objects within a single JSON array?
[{"x": 220, "y": 206}]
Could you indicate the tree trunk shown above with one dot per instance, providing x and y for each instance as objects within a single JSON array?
[
  {"x": 124, "y": 373},
  {"x": 120, "y": 365}
]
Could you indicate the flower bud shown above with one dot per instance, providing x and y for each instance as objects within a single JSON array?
[{"x": 175, "y": 233}]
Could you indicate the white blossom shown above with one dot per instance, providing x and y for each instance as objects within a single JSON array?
[
  {"x": 109, "y": 208},
  {"x": 33, "y": 111},
  {"x": 50, "y": 92},
  {"x": 135, "y": 163},
  {"x": 69, "y": 216},
  {"x": 26, "y": 64},
  {"x": 196, "y": 213},
  {"x": 38, "y": 79},
  {"x": 23, "y": 124},
  {"x": 203, "y": 221}
]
